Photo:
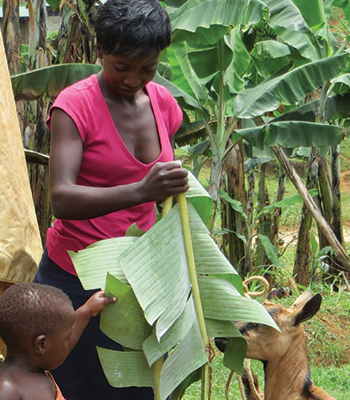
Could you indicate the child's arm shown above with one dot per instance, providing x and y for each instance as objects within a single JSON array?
[{"x": 83, "y": 314}]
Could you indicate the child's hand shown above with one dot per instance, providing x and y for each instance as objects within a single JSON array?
[{"x": 98, "y": 301}]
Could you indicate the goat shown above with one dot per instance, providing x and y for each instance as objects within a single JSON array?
[{"x": 287, "y": 374}]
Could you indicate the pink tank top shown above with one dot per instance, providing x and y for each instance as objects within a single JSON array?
[{"x": 107, "y": 162}]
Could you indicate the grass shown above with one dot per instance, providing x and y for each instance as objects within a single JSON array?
[{"x": 334, "y": 380}]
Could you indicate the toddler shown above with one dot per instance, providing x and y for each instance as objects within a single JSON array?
[{"x": 40, "y": 328}]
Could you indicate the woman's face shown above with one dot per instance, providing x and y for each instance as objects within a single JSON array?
[{"x": 127, "y": 75}]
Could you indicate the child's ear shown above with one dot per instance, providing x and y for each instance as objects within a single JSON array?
[{"x": 40, "y": 344}]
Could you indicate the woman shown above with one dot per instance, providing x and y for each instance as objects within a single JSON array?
[{"x": 111, "y": 160}]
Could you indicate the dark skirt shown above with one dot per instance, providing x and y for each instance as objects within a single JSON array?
[{"x": 81, "y": 376}]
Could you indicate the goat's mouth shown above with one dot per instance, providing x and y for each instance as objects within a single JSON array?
[
  {"x": 243, "y": 327},
  {"x": 221, "y": 344}
]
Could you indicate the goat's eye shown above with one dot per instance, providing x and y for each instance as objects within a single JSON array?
[{"x": 251, "y": 325}]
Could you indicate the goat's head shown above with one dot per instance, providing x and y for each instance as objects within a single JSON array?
[{"x": 264, "y": 342}]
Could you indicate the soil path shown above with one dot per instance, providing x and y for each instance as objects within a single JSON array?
[{"x": 345, "y": 178}]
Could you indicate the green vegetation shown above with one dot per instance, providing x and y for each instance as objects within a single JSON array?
[{"x": 327, "y": 332}]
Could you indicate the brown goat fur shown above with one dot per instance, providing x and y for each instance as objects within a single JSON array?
[{"x": 287, "y": 375}]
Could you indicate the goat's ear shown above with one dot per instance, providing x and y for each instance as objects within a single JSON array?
[{"x": 308, "y": 310}]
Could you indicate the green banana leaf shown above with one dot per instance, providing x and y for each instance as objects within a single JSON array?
[
  {"x": 49, "y": 81},
  {"x": 289, "y": 87},
  {"x": 290, "y": 25},
  {"x": 290, "y": 134},
  {"x": 270, "y": 57},
  {"x": 206, "y": 22},
  {"x": 155, "y": 312},
  {"x": 336, "y": 107},
  {"x": 55, "y": 4},
  {"x": 235, "y": 349},
  {"x": 186, "y": 73},
  {"x": 341, "y": 84},
  {"x": 312, "y": 11}
]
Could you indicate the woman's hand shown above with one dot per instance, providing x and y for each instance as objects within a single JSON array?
[{"x": 164, "y": 180}]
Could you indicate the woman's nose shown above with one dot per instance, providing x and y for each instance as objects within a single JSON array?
[{"x": 132, "y": 81}]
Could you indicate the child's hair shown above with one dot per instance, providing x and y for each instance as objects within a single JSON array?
[
  {"x": 139, "y": 28},
  {"x": 31, "y": 309}
]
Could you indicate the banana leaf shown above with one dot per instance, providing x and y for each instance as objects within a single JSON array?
[
  {"x": 289, "y": 87},
  {"x": 336, "y": 107},
  {"x": 155, "y": 299},
  {"x": 206, "y": 22},
  {"x": 49, "y": 81},
  {"x": 291, "y": 134},
  {"x": 289, "y": 24}
]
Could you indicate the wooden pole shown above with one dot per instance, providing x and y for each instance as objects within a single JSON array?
[{"x": 340, "y": 252}]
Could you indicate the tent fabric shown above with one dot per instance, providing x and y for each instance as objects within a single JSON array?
[{"x": 20, "y": 243}]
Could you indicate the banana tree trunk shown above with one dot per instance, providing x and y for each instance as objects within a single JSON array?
[
  {"x": 12, "y": 42},
  {"x": 39, "y": 174},
  {"x": 234, "y": 162},
  {"x": 215, "y": 179},
  {"x": 37, "y": 135},
  {"x": 276, "y": 218},
  {"x": 276, "y": 215},
  {"x": 302, "y": 256},
  {"x": 76, "y": 38},
  {"x": 37, "y": 33},
  {"x": 11, "y": 35},
  {"x": 324, "y": 182},
  {"x": 265, "y": 219},
  {"x": 250, "y": 196},
  {"x": 340, "y": 253},
  {"x": 337, "y": 211}
]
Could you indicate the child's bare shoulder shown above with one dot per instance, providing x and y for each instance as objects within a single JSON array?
[
  {"x": 8, "y": 389},
  {"x": 26, "y": 386}
]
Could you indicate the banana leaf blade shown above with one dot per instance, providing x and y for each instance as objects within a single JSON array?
[
  {"x": 125, "y": 368},
  {"x": 124, "y": 321},
  {"x": 93, "y": 263},
  {"x": 221, "y": 299}
]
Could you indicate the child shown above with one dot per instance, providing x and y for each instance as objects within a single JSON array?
[{"x": 40, "y": 328}]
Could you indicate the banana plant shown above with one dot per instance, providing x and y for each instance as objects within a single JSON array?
[
  {"x": 221, "y": 72},
  {"x": 217, "y": 82},
  {"x": 265, "y": 57},
  {"x": 175, "y": 289},
  {"x": 251, "y": 230}
]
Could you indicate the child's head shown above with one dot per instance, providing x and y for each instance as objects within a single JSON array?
[
  {"x": 28, "y": 310},
  {"x": 138, "y": 28}
]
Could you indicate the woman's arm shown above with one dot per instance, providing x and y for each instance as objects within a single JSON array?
[{"x": 72, "y": 201}]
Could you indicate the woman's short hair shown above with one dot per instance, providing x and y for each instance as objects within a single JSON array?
[{"x": 139, "y": 28}]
